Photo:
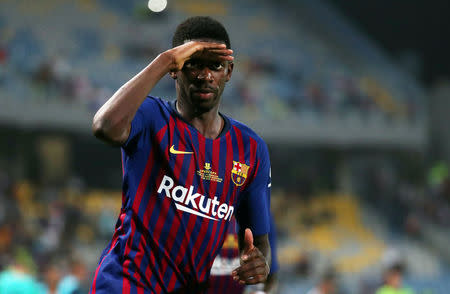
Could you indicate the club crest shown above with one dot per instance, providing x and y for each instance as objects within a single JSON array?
[{"x": 239, "y": 173}]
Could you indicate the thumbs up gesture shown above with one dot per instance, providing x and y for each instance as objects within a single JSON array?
[{"x": 254, "y": 268}]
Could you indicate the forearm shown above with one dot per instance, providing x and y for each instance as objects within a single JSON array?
[
  {"x": 112, "y": 122},
  {"x": 271, "y": 284}
]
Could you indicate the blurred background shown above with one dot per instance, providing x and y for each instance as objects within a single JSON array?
[{"x": 352, "y": 97}]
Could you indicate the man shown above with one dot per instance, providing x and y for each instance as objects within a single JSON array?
[
  {"x": 73, "y": 282},
  {"x": 187, "y": 170},
  {"x": 393, "y": 281},
  {"x": 17, "y": 277},
  {"x": 326, "y": 285}
]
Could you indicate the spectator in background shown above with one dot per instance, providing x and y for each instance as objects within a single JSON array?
[
  {"x": 17, "y": 277},
  {"x": 73, "y": 283},
  {"x": 393, "y": 280},
  {"x": 43, "y": 77},
  {"x": 51, "y": 276},
  {"x": 326, "y": 285}
]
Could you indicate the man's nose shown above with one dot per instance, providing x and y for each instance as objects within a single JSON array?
[{"x": 205, "y": 74}]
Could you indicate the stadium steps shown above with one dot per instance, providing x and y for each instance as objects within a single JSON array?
[{"x": 335, "y": 231}]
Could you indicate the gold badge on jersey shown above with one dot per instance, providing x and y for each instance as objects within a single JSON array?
[
  {"x": 239, "y": 173},
  {"x": 209, "y": 175}
]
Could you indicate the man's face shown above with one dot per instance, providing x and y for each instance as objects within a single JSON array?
[
  {"x": 394, "y": 279},
  {"x": 329, "y": 287},
  {"x": 202, "y": 80}
]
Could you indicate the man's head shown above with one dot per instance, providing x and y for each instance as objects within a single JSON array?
[
  {"x": 202, "y": 79},
  {"x": 78, "y": 269},
  {"x": 328, "y": 283},
  {"x": 200, "y": 28},
  {"x": 394, "y": 275}
]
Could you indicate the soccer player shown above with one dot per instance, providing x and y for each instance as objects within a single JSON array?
[{"x": 187, "y": 170}]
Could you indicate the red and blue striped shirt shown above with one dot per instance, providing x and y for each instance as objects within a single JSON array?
[{"x": 180, "y": 191}]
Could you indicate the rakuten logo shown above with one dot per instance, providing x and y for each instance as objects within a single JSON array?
[{"x": 185, "y": 200}]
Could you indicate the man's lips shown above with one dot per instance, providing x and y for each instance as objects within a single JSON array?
[{"x": 203, "y": 91}]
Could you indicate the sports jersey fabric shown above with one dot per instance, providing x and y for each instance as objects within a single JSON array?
[{"x": 180, "y": 191}]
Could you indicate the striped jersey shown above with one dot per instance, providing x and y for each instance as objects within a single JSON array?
[{"x": 180, "y": 191}]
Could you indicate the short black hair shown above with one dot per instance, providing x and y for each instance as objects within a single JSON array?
[
  {"x": 397, "y": 267},
  {"x": 200, "y": 27}
]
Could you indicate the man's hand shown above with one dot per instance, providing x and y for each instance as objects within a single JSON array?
[
  {"x": 254, "y": 268},
  {"x": 179, "y": 55}
]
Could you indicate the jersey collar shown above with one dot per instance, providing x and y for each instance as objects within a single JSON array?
[{"x": 226, "y": 125}]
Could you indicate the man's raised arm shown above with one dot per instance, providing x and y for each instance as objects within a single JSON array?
[{"x": 112, "y": 122}]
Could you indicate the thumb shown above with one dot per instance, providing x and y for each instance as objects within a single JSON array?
[{"x": 248, "y": 240}]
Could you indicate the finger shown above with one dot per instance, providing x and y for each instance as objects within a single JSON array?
[
  {"x": 214, "y": 57},
  {"x": 254, "y": 280},
  {"x": 218, "y": 51},
  {"x": 248, "y": 240},
  {"x": 251, "y": 255},
  {"x": 249, "y": 270},
  {"x": 192, "y": 47},
  {"x": 203, "y": 46},
  {"x": 213, "y": 53},
  {"x": 252, "y": 277},
  {"x": 225, "y": 57},
  {"x": 252, "y": 266},
  {"x": 222, "y": 58},
  {"x": 212, "y": 45}
]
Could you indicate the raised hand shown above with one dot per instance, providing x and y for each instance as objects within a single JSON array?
[
  {"x": 180, "y": 54},
  {"x": 254, "y": 268}
]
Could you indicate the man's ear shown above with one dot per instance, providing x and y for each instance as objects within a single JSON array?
[
  {"x": 173, "y": 75},
  {"x": 230, "y": 70}
]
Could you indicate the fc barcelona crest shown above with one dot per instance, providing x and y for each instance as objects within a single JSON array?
[{"x": 239, "y": 173}]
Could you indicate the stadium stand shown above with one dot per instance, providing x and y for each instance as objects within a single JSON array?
[
  {"x": 307, "y": 73},
  {"x": 303, "y": 75}
]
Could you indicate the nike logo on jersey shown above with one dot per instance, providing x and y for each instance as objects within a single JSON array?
[
  {"x": 173, "y": 151},
  {"x": 188, "y": 201}
]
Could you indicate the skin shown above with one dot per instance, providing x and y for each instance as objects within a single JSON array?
[
  {"x": 271, "y": 284},
  {"x": 254, "y": 258},
  {"x": 328, "y": 287},
  {"x": 112, "y": 122},
  {"x": 201, "y": 69},
  {"x": 394, "y": 279},
  {"x": 200, "y": 84}
]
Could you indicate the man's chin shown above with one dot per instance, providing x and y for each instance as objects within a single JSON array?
[{"x": 204, "y": 104}]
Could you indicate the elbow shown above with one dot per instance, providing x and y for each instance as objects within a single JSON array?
[
  {"x": 98, "y": 127},
  {"x": 104, "y": 130}
]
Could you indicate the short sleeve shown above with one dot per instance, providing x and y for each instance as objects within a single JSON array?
[
  {"x": 254, "y": 210},
  {"x": 142, "y": 125}
]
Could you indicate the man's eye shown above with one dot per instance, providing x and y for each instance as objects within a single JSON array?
[
  {"x": 217, "y": 66},
  {"x": 191, "y": 64}
]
